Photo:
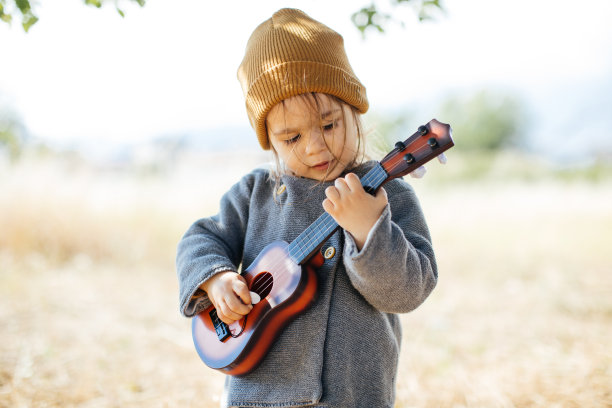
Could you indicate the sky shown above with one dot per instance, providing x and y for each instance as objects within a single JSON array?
[{"x": 83, "y": 75}]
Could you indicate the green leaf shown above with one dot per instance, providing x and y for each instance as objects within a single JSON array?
[
  {"x": 4, "y": 17},
  {"x": 95, "y": 3},
  {"x": 121, "y": 13},
  {"x": 29, "y": 20},
  {"x": 141, "y": 3},
  {"x": 23, "y": 6},
  {"x": 369, "y": 17}
]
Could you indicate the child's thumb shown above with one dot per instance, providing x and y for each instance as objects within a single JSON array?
[{"x": 381, "y": 195}]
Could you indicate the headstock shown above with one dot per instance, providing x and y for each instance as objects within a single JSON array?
[{"x": 429, "y": 141}]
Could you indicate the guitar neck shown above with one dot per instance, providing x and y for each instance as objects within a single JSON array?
[
  {"x": 310, "y": 241},
  {"x": 427, "y": 142}
]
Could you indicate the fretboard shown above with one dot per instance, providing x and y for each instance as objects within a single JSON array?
[{"x": 308, "y": 242}]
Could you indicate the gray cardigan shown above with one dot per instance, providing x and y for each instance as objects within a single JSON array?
[{"x": 343, "y": 351}]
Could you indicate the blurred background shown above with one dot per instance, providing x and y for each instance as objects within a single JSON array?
[{"x": 122, "y": 122}]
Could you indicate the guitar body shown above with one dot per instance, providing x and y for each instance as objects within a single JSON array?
[{"x": 286, "y": 290}]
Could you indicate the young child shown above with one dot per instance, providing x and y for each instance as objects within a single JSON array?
[{"x": 304, "y": 102}]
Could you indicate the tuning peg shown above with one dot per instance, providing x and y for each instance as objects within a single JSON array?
[
  {"x": 419, "y": 172},
  {"x": 442, "y": 158},
  {"x": 409, "y": 158}
]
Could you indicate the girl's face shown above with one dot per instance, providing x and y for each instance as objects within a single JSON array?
[{"x": 316, "y": 139}]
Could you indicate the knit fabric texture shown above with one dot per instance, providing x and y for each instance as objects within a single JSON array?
[
  {"x": 292, "y": 54},
  {"x": 344, "y": 350}
]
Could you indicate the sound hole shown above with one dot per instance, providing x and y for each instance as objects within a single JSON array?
[{"x": 262, "y": 284}]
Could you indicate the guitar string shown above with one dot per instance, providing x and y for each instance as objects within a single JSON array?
[{"x": 377, "y": 174}]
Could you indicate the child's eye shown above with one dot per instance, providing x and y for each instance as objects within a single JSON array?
[
  {"x": 293, "y": 139},
  {"x": 329, "y": 126}
]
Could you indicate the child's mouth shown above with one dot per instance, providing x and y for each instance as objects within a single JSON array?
[{"x": 322, "y": 166}]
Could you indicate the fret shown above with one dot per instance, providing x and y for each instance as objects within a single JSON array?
[{"x": 310, "y": 240}]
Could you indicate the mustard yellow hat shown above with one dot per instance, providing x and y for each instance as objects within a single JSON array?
[{"x": 291, "y": 54}]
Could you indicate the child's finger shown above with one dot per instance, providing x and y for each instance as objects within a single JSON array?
[
  {"x": 328, "y": 205},
  {"x": 353, "y": 182},
  {"x": 332, "y": 193},
  {"x": 242, "y": 290},
  {"x": 381, "y": 195},
  {"x": 226, "y": 314},
  {"x": 341, "y": 186},
  {"x": 238, "y": 306}
]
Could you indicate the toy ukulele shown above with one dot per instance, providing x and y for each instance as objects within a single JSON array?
[{"x": 282, "y": 278}]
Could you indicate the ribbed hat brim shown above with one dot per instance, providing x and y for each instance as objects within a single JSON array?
[{"x": 296, "y": 78}]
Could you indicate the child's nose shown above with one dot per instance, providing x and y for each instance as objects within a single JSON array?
[{"x": 316, "y": 142}]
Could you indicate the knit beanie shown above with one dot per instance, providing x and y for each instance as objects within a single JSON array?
[{"x": 292, "y": 54}]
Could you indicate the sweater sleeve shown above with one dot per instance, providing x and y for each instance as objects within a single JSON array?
[
  {"x": 212, "y": 245},
  {"x": 395, "y": 270}
]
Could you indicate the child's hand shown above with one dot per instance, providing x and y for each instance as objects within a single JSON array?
[
  {"x": 229, "y": 294},
  {"x": 353, "y": 209}
]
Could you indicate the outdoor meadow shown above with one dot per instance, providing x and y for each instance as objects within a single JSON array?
[
  {"x": 521, "y": 317},
  {"x": 122, "y": 122}
]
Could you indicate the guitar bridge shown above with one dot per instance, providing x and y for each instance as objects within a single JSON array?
[{"x": 221, "y": 328}]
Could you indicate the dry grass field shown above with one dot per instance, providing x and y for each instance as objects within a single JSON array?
[{"x": 522, "y": 315}]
